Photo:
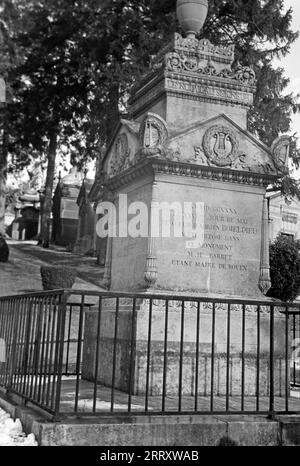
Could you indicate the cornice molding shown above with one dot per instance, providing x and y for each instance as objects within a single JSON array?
[
  {"x": 188, "y": 86},
  {"x": 154, "y": 165}
]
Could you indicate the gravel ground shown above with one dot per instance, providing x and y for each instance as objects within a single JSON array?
[{"x": 11, "y": 433}]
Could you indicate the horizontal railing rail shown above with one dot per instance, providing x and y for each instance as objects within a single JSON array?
[
  {"x": 89, "y": 353},
  {"x": 161, "y": 296}
]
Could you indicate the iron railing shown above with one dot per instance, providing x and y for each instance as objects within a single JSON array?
[{"x": 75, "y": 352}]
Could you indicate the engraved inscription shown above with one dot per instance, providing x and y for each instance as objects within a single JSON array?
[
  {"x": 225, "y": 228},
  {"x": 210, "y": 91}
]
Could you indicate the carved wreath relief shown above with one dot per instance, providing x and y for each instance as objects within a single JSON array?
[
  {"x": 220, "y": 146},
  {"x": 153, "y": 135}
]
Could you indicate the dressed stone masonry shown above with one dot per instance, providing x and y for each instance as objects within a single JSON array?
[{"x": 186, "y": 141}]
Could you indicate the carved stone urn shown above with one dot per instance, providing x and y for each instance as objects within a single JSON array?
[{"x": 191, "y": 15}]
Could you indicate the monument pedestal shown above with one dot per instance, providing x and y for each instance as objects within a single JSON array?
[{"x": 191, "y": 345}]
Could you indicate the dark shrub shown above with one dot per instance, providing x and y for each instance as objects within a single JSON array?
[
  {"x": 4, "y": 251},
  {"x": 285, "y": 268},
  {"x": 57, "y": 277}
]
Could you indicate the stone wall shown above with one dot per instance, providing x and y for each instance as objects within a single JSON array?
[{"x": 189, "y": 355}]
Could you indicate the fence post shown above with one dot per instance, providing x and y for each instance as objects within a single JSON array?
[{"x": 60, "y": 348}]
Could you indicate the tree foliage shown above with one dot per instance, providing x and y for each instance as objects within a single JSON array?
[
  {"x": 81, "y": 57},
  {"x": 98, "y": 49},
  {"x": 9, "y": 59},
  {"x": 285, "y": 268}
]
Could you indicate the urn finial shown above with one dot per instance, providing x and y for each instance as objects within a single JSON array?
[{"x": 191, "y": 15}]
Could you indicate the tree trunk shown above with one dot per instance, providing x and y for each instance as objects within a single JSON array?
[
  {"x": 47, "y": 202},
  {"x": 3, "y": 177}
]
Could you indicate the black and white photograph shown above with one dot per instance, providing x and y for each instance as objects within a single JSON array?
[{"x": 149, "y": 228}]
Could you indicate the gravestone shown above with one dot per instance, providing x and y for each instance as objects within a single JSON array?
[{"x": 187, "y": 142}]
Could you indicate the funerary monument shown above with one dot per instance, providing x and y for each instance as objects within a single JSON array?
[{"x": 187, "y": 142}]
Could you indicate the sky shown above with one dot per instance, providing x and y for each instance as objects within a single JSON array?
[{"x": 291, "y": 63}]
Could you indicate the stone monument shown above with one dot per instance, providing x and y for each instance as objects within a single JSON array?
[
  {"x": 65, "y": 209},
  {"x": 187, "y": 142}
]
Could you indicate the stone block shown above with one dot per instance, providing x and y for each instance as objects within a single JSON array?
[{"x": 121, "y": 351}]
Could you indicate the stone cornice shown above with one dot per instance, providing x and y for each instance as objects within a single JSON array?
[
  {"x": 153, "y": 165},
  {"x": 188, "y": 86},
  {"x": 154, "y": 78}
]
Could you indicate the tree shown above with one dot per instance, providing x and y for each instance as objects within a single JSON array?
[
  {"x": 51, "y": 90},
  {"x": 71, "y": 77},
  {"x": 83, "y": 56},
  {"x": 9, "y": 57},
  {"x": 285, "y": 268}
]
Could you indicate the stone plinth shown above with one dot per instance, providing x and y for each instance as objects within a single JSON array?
[{"x": 189, "y": 355}]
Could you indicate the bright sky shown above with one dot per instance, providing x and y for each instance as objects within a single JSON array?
[{"x": 291, "y": 63}]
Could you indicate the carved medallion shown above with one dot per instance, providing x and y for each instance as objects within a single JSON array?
[
  {"x": 153, "y": 131},
  {"x": 220, "y": 146},
  {"x": 153, "y": 135}
]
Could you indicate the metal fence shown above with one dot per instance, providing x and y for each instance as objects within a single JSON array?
[{"x": 87, "y": 353}]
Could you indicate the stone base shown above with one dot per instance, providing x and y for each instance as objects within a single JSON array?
[{"x": 189, "y": 355}]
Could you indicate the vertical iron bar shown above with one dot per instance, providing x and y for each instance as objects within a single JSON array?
[
  {"x": 287, "y": 387},
  {"x": 80, "y": 330},
  {"x": 228, "y": 357},
  {"x": 27, "y": 346},
  {"x": 114, "y": 357},
  {"x": 197, "y": 356},
  {"x": 258, "y": 361},
  {"x": 97, "y": 354},
  {"x": 132, "y": 356},
  {"x": 37, "y": 344},
  {"x": 54, "y": 313},
  {"x": 243, "y": 357},
  {"x": 271, "y": 407},
  {"x": 9, "y": 339},
  {"x": 32, "y": 349},
  {"x": 45, "y": 344},
  {"x": 4, "y": 325},
  {"x": 165, "y": 357},
  {"x": 148, "y": 356},
  {"x": 14, "y": 338},
  {"x": 44, "y": 311},
  {"x": 294, "y": 339},
  {"x": 20, "y": 344},
  {"x": 56, "y": 352},
  {"x": 212, "y": 359},
  {"x": 60, "y": 350},
  {"x": 69, "y": 337},
  {"x": 23, "y": 346},
  {"x": 181, "y": 357}
]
